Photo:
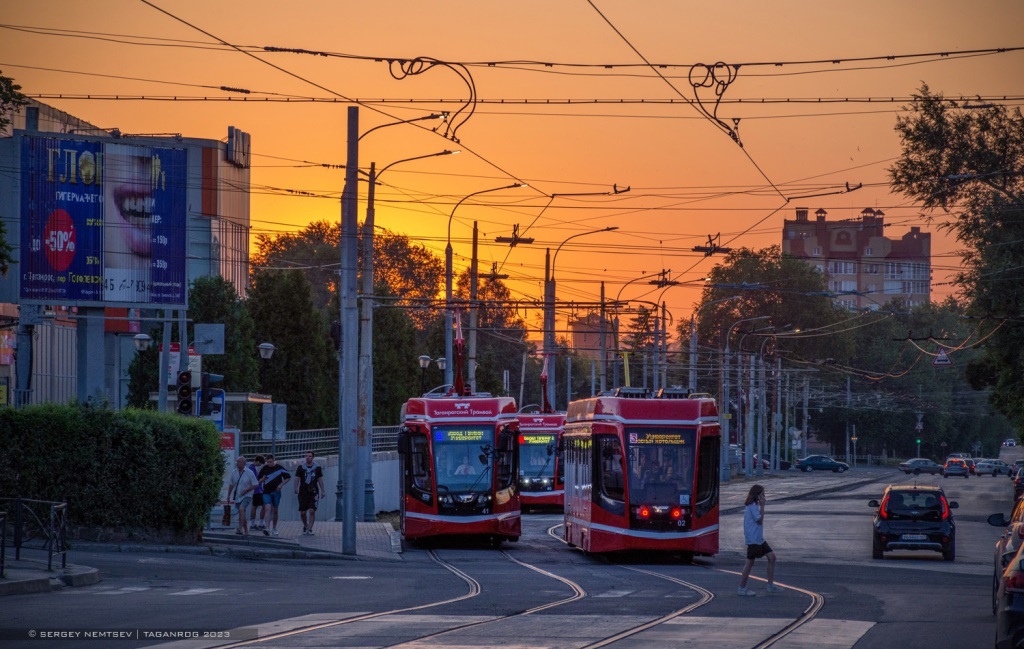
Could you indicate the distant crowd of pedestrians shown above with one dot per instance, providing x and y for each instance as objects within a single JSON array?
[{"x": 256, "y": 488}]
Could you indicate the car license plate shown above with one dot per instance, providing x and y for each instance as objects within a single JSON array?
[{"x": 915, "y": 537}]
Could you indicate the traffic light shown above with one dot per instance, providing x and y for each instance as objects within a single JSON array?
[
  {"x": 207, "y": 394},
  {"x": 918, "y": 440},
  {"x": 184, "y": 384}
]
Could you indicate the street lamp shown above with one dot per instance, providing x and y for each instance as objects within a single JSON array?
[
  {"x": 364, "y": 396},
  {"x": 424, "y": 364},
  {"x": 266, "y": 350},
  {"x": 349, "y": 441},
  {"x": 142, "y": 342},
  {"x": 448, "y": 280},
  {"x": 549, "y": 309},
  {"x": 723, "y": 413}
]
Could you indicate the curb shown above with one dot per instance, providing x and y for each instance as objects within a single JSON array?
[{"x": 70, "y": 577}]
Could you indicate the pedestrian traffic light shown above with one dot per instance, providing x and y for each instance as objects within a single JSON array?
[
  {"x": 207, "y": 394},
  {"x": 918, "y": 440},
  {"x": 184, "y": 384}
]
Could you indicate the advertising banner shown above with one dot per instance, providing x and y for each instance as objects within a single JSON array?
[{"x": 102, "y": 222}]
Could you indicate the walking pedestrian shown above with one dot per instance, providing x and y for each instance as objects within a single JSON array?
[
  {"x": 309, "y": 486},
  {"x": 273, "y": 477},
  {"x": 243, "y": 482},
  {"x": 753, "y": 536},
  {"x": 256, "y": 513}
]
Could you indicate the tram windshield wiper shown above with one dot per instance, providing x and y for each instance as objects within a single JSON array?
[{"x": 472, "y": 487}]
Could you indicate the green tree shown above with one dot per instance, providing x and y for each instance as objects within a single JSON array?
[
  {"x": 409, "y": 271},
  {"x": 396, "y": 370},
  {"x": 967, "y": 162},
  {"x": 11, "y": 101},
  {"x": 303, "y": 372}
]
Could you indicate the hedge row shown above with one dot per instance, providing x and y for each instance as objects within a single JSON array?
[{"x": 130, "y": 468}]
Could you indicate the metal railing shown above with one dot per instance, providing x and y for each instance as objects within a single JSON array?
[
  {"x": 322, "y": 441},
  {"x": 3, "y": 544},
  {"x": 38, "y": 525}
]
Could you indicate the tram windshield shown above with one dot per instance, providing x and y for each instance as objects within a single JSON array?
[
  {"x": 661, "y": 464},
  {"x": 537, "y": 455},
  {"x": 457, "y": 451}
]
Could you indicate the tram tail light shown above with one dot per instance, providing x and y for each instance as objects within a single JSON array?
[
  {"x": 677, "y": 513},
  {"x": 644, "y": 511}
]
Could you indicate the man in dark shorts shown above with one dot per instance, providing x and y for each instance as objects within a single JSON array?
[
  {"x": 273, "y": 478},
  {"x": 309, "y": 486},
  {"x": 753, "y": 536}
]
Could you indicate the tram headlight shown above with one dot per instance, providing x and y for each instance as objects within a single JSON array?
[{"x": 483, "y": 499}]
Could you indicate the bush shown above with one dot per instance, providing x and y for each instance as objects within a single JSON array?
[{"x": 122, "y": 469}]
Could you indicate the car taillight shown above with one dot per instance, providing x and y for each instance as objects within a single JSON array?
[
  {"x": 881, "y": 508},
  {"x": 945, "y": 507},
  {"x": 1013, "y": 582}
]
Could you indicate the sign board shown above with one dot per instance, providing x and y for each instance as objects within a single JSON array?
[
  {"x": 195, "y": 365},
  {"x": 217, "y": 406},
  {"x": 275, "y": 420},
  {"x": 228, "y": 441},
  {"x": 102, "y": 222},
  {"x": 941, "y": 359}
]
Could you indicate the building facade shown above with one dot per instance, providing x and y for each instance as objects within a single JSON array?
[
  {"x": 865, "y": 269},
  {"x": 109, "y": 231}
]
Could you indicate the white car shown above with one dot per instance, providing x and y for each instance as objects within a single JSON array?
[
  {"x": 1010, "y": 442},
  {"x": 995, "y": 467}
]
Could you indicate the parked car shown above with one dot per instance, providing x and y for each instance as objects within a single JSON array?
[
  {"x": 784, "y": 465},
  {"x": 1009, "y": 604},
  {"x": 956, "y": 466},
  {"x": 970, "y": 465},
  {"x": 994, "y": 467},
  {"x": 1018, "y": 484},
  {"x": 1007, "y": 544},
  {"x": 821, "y": 463},
  {"x": 913, "y": 517},
  {"x": 920, "y": 465}
]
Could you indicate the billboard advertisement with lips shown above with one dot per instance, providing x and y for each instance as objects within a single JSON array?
[{"x": 102, "y": 222}]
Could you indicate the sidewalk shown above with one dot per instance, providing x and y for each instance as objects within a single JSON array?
[{"x": 374, "y": 541}]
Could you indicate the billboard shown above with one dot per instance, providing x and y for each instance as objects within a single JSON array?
[{"x": 102, "y": 222}]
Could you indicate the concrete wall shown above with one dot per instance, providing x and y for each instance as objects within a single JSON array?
[{"x": 385, "y": 483}]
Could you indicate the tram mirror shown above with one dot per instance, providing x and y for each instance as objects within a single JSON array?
[{"x": 404, "y": 446}]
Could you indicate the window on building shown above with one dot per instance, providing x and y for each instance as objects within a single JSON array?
[
  {"x": 869, "y": 251},
  {"x": 816, "y": 251},
  {"x": 872, "y": 269}
]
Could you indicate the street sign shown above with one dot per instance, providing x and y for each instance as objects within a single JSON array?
[
  {"x": 941, "y": 359},
  {"x": 216, "y": 407},
  {"x": 275, "y": 420}
]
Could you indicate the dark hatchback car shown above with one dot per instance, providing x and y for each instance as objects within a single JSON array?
[
  {"x": 913, "y": 517},
  {"x": 821, "y": 463},
  {"x": 920, "y": 465},
  {"x": 1009, "y": 604}
]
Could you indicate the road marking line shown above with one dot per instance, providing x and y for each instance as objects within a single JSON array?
[{"x": 197, "y": 591}]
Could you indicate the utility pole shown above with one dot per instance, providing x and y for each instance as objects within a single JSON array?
[
  {"x": 473, "y": 311},
  {"x": 807, "y": 424},
  {"x": 604, "y": 344},
  {"x": 348, "y": 375},
  {"x": 847, "y": 419}
]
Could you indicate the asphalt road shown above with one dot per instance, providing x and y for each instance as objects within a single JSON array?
[{"x": 540, "y": 593}]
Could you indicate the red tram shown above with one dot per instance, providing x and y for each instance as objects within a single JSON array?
[
  {"x": 541, "y": 470},
  {"x": 642, "y": 472},
  {"x": 459, "y": 459}
]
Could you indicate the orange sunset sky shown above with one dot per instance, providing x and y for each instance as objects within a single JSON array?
[{"x": 687, "y": 177}]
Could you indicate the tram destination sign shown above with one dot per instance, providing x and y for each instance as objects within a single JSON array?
[
  {"x": 668, "y": 439},
  {"x": 460, "y": 434},
  {"x": 536, "y": 439}
]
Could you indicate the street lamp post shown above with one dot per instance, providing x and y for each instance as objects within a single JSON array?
[
  {"x": 693, "y": 338},
  {"x": 448, "y": 280},
  {"x": 549, "y": 310},
  {"x": 266, "y": 351},
  {"x": 364, "y": 398},
  {"x": 424, "y": 364},
  {"x": 348, "y": 361},
  {"x": 724, "y": 414}
]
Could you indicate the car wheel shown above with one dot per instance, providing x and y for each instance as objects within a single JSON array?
[
  {"x": 917, "y": 471},
  {"x": 807, "y": 469},
  {"x": 949, "y": 552},
  {"x": 841, "y": 469},
  {"x": 876, "y": 549}
]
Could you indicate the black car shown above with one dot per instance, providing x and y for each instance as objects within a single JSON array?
[
  {"x": 821, "y": 463},
  {"x": 914, "y": 517},
  {"x": 920, "y": 465},
  {"x": 1009, "y": 605}
]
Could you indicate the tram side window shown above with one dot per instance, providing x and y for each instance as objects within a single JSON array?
[
  {"x": 707, "y": 475},
  {"x": 504, "y": 463},
  {"x": 609, "y": 479},
  {"x": 419, "y": 462}
]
